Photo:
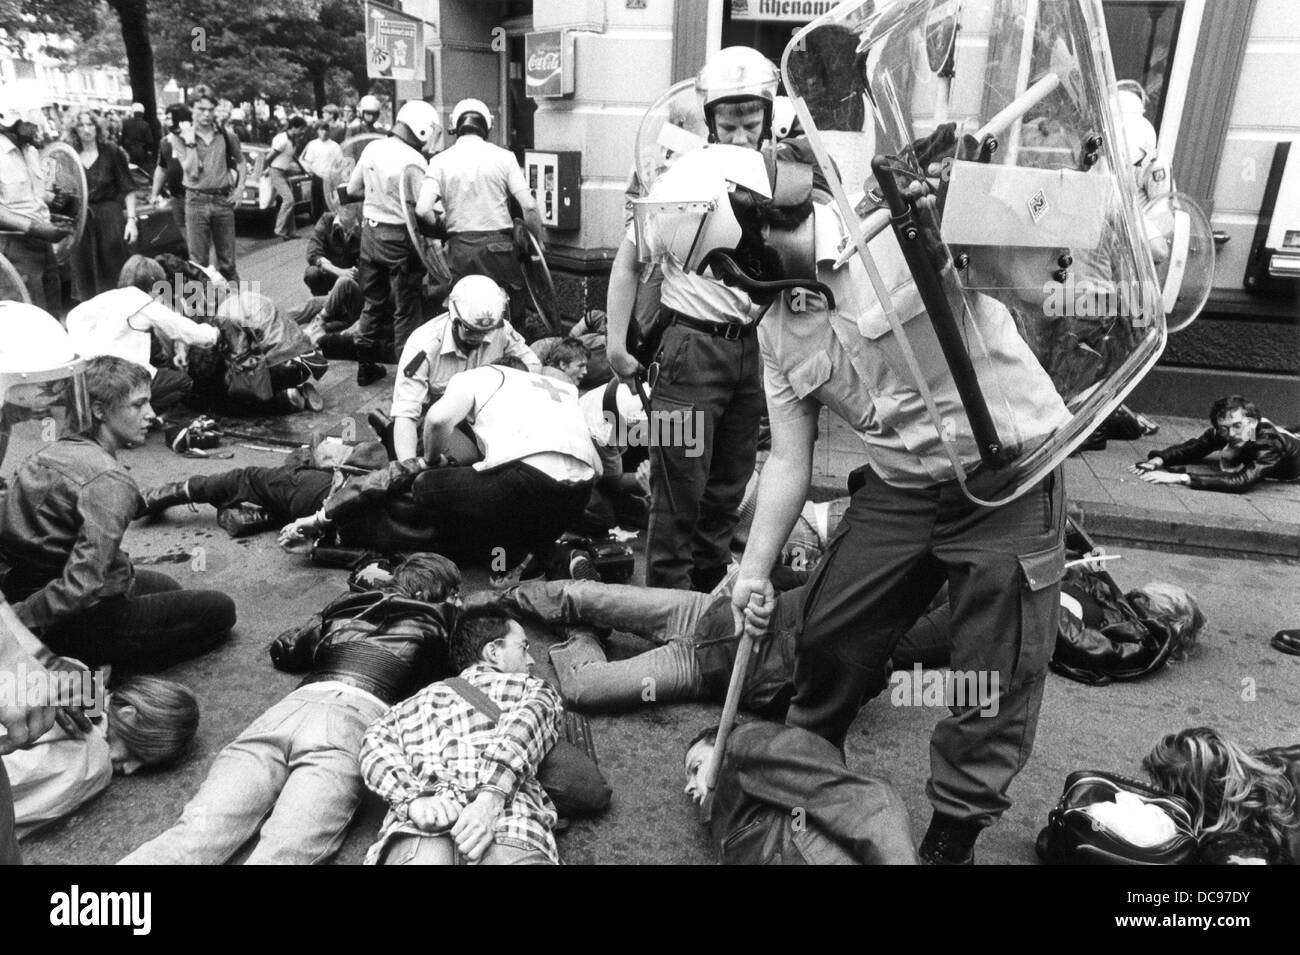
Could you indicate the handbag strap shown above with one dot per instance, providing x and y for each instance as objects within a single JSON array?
[{"x": 474, "y": 697}]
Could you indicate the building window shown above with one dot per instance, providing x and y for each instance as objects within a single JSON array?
[{"x": 1142, "y": 41}]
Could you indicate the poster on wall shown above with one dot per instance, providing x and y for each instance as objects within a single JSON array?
[
  {"x": 394, "y": 44},
  {"x": 548, "y": 63}
]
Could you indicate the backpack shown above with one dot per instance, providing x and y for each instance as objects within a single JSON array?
[{"x": 1074, "y": 836}]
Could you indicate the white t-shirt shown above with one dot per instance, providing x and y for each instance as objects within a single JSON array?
[
  {"x": 519, "y": 416},
  {"x": 118, "y": 322}
]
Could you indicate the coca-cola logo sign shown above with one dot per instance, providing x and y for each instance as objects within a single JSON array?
[{"x": 544, "y": 59}]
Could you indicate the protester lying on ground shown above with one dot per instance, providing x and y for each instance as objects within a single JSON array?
[
  {"x": 291, "y": 777},
  {"x": 1232, "y": 791},
  {"x": 61, "y": 526},
  {"x": 123, "y": 322},
  {"x": 697, "y": 644},
  {"x": 1251, "y": 449},
  {"x": 253, "y": 499},
  {"x": 148, "y": 723},
  {"x": 458, "y": 783},
  {"x": 472, "y": 333},
  {"x": 535, "y": 478},
  {"x": 784, "y": 797}
]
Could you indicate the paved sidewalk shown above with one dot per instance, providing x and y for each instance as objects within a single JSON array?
[{"x": 1120, "y": 508}]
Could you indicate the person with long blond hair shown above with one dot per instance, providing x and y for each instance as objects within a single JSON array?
[{"x": 1231, "y": 790}]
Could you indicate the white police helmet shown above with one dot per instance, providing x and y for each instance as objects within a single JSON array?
[
  {"x": 421, "y": 118},
  {"x": 735, "y": 74},
  {"x": 41, "y": 376},
  {"x": 479, "y": 303},
  {"x": 471, "y": 106}
]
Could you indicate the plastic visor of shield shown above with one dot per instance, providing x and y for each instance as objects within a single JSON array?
[{"x": 1039, "y": 243}]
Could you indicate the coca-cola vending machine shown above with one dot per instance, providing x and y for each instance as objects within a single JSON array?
[{"x": 555, "y": 180}]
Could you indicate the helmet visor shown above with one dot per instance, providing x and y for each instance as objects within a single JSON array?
[{"x": 49, "y": 404}]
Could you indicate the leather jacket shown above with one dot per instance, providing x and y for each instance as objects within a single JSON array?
[
  {"x": 1274, "y": 454},
  {"x": 385, "y": 644},
  {"x": 785, "y": 797},
  {"x": 1124, "y": 644}
]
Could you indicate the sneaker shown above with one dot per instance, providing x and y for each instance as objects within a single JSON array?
[
  {"x": 243, "y": 519},
  {"x": 311, "y": 397},
  {"x": 581, "y": 567},
  {"x": 293, "y": 399},
  {"x": 368, "y": 373}
]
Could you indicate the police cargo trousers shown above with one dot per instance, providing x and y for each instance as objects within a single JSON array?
[
  {"x": 390, "y": 276},
  {"x": 705, "y": 410},
  {"x": 894, "y": 549}
]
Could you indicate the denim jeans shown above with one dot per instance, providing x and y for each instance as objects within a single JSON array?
[
  {"x": 158, "y": 625},
  {"x": 9, "y": 854},
  {"x": 669, "y": 673},
  {"x": 210, "y": 226},
  {"x": 441, "y": 850},
  {"x": 293, "y": 774},
  {"x": 284, "y": 218}
]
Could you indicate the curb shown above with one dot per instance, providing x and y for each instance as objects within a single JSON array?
[
  {"x": 1142, "y": 527},
  {"x": 1208, "y": 534}
]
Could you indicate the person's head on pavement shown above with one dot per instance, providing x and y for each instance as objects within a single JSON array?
[
  {"x": 151, "y": 723},
  {"x": 1176, "y": 607},
  {"x": 491, "y": 636},
  {"x": 428, "y": 577},
  {"x": 1229, "y": 789},
  {"x": 1235, "y": 419},
  {"x": 699, "y": 751}
]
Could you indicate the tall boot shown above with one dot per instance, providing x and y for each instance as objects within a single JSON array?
[{"x": 158, "y": 499}]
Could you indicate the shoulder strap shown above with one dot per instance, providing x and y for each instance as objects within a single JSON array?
[
  {"x": 234, "y": 155},
  {"x": 474, "y": 697},
  {"x": 609, "y": 401}
]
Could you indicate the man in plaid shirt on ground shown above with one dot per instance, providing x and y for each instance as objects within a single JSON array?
[{"x": 458, "y": 784}]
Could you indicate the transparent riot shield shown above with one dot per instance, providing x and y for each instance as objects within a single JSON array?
[
  {"x": 972, "y": 151},
  {"x": 674, "y": 124}
]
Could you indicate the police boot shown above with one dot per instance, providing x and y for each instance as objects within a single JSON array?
[
  {"x": 158, "y": 499},
  {"x": 244, "y": 519},
  {"x": 949, "y": 841}
]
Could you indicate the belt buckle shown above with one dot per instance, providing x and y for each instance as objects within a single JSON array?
[{"x": 732, "y": 331}]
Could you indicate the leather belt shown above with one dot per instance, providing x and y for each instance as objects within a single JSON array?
[
  {"x": 207, "y": 192},
  {"x": 731, "y": 331}
]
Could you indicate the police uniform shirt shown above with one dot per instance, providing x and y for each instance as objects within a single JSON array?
[
  {"x": 699, "y": 296},
  {"x": 473, "y": 178},
  {"x": 22, "y": 182},
  {"x": 380, "y": 170},
  {"x": 441, "y": 360},
  {"x": 851, "y": 362},
  {"x": 520, "y": 416}
]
